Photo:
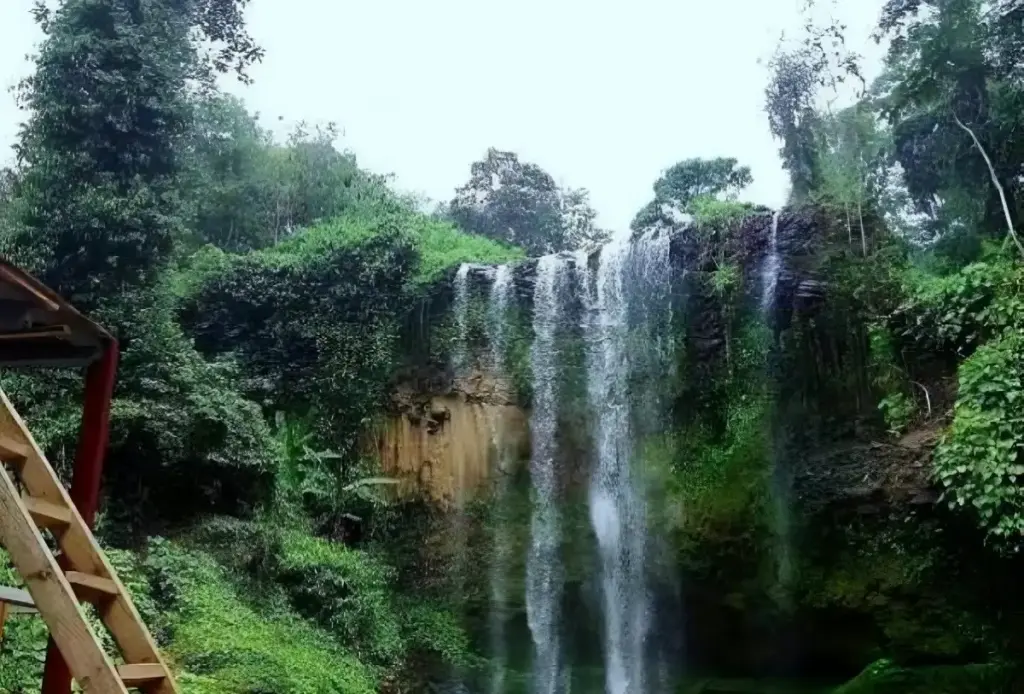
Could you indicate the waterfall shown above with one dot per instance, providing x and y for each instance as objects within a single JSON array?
[
  {"x": 460, "y": 367},
  {"x": 497, "y": 315},
  {"x": 771, "y": 269},
  {"x": 630, "y": 285},
  {"x": 543, "y": 566},
  {"x": 460, "y": 355}
]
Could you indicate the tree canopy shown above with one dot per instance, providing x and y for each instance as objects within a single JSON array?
[
  {"x": 520, "y": 203},
  {"x": 685, "y": 182}
]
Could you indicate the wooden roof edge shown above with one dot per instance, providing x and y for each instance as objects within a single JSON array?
[{"x": 50, "y": 300}]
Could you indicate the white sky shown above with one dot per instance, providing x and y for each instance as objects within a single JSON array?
[{"x": 603, "y": 95}]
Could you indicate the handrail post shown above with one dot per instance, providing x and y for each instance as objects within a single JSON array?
[{"x": 85, "y": 481}]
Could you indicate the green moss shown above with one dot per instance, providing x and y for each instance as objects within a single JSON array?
[
  {"x": 893, "y": 572},
  {"x": 883, "y": 677}
]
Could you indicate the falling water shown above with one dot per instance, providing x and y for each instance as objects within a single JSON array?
[
  {"x": 771, "y": 269},
  {"x": 543, "y": 567},
  {"x": 630, "y": 281},
  {"x": 780, "y": 478},
  {"x": 497, "y": 310},
  {"x": 460, "y": 367},
  {"x": 460, "y": 355}
]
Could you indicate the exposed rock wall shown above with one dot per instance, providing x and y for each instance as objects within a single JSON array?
[{"x": 445, "y": 446}]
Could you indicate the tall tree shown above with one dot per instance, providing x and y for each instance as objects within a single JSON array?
[
  {"x": 683, "y": 183},
  {"x": 101, "y": 162},
  {"x": 247, "y": 191},
  {"x": 520, "y": 203},
  {"x": 101, "y": 150},
  {"x": 792, "y": 118},
  {"x": 851, "y": 160},
  {"x": 954, "y": 107}
]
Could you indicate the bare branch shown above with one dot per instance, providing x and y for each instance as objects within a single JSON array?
[
  {"x": 927, "y": 397},
  {"x": 995, "y": 182}
]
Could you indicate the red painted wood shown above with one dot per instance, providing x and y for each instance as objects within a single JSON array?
[{"x": 85, "y": 482}]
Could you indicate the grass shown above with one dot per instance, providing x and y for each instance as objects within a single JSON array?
[{"x": 226, "y": 647}]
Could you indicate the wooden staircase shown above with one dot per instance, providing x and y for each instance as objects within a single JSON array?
[{"x": 33, "y": 500}]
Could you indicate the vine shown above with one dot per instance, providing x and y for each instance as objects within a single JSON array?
[{"x": 981, "y": 459}]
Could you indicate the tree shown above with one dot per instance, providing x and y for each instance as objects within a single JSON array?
[
  {"x": 851, "y": 164},
  {"x": 248, "y": 191},
  {"x": 579, "y": 220},
  {"x": 792, "y": 117},
  {"x": 685, "y": 182},
  {"x": 101, "y": 216},
  {"x": 951, "y": 61},
  {"x": 520, "y": 203},
  {"x": 99, "y": 152}
]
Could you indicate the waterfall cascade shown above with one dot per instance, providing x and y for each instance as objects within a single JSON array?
[
  {"x": 630, "y": 279},
  {"x": 771, "y": 269},
  {"x": 460, "y": 354},
  {"x": 544, "y": 567},
  {"x": 497, "y": 315}
]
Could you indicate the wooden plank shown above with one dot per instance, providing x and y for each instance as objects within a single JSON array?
[
  {"x": 94, "y": 589},
  {"x": 3, "y": 619},
  {"x": 82, "y": 552},
  {"x": 141, "y": 674},
  {"x": 12, "y": 450},
  {"x": 47, "y": 514},
  {"x": 58, "y": 331},
  {"x": 18, "y": 599},
  {"x": 25, "y": 286},
  {"x": 52, "y": 595}
]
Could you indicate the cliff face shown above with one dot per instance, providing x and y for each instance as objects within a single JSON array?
[
  {"x": 868, "y": 551},
  {"x": 444, "y": 446}
]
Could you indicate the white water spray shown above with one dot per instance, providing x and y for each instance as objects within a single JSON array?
[
  {"x": 460, "y": 355},
  {"x": 496, "y": 319},
  {"x": 544, "y": 566},
  {"x": 627, "y": 274},
  {"x": 771, "y": 269}
]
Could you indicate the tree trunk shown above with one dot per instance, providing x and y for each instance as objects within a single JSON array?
[
  {"x": 995, "y": 181},
  {"x": 863, "y": 236},
  {"x": 849, "y": 225}
]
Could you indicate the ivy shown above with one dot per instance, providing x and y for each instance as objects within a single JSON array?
[{"x": 981, "y": 459}]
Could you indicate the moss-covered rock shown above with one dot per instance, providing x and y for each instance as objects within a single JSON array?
[{"x": 883, "y": 677}]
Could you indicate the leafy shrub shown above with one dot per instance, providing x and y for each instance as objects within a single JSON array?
[
  {"x": 346, "y": 591},
  {"x": 897, "y": 407},
  {"x": 442, "y": 246},
  {"x": 227, "y": 646},
  {"x": 313, "y": 320},
  {"x": 23, "y": 646},
  {"x": 712, "y": 212},
  {"x": 981, "y": 459},
  {"x": 960, "y": 311},
  {"x": 884, "y": 677}
]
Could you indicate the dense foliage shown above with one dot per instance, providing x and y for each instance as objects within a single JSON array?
[
  {"x": 267, "y": 296},
  {"x": 259, "y": 291},
  {"x": 520, "y": 203},
  {"x": 917, "y": 177}
]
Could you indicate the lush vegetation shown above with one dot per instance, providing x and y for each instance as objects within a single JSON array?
[
  {"x": 261, "y": 292},
  {"x": 268, "y": 295}
]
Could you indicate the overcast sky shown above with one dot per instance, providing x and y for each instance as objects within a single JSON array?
[{"x": 602, "y": 95}]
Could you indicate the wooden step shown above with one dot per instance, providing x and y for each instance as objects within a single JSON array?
[
  {"x": 46, "y": 514},
  {"x": 140, "y": 674},
  {"x": 91, "y": 588},
  {"x": 12, "y": 451}
]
